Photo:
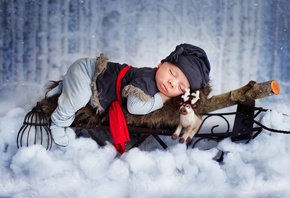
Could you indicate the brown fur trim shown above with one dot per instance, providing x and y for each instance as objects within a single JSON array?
[
  {"x": 101, "y": 65},
  {"x": 131, "y": 90}
]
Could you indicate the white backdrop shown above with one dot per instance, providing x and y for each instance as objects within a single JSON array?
[{"x": 245, "y": 39}]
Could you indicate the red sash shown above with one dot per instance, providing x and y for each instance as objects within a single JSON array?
[{"x": 118, "y": 124}]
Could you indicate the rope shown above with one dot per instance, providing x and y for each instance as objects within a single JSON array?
[
  {"x": 267, "y": 128},
  {"x": 263, "y": 126}
]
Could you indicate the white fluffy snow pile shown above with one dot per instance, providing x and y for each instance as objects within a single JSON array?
[{"x": 84, "y": 169}]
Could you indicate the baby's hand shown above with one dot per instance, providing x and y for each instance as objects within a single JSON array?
[{"x": 164, "y": 97}]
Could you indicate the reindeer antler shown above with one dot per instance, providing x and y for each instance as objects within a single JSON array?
[
  {"x": 195, "y": 97},
  {"x": 185, "y": 96}
]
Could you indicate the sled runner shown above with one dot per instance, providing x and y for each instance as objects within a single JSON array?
[{"x": 240, "y": 125}]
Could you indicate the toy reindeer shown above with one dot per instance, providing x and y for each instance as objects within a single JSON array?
[{"x": 189, "y": 122}]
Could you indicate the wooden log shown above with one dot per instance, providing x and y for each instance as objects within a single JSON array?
[{"x": 250, "y": 91}]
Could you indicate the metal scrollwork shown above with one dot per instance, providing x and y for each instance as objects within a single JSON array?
[{"x": 214, "y": 135}]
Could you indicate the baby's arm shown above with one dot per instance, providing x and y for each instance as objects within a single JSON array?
[{"x": 139, "y": 107}]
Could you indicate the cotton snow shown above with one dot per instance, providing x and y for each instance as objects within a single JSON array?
[{"x": 259, "y": 168}]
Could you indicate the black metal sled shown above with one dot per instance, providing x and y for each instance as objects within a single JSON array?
[
  {"x": 243, "y": 129},
  {"x": 36, "y": 127}
]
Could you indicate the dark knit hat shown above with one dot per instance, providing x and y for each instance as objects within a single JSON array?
[{"x": 193, "y": 62}]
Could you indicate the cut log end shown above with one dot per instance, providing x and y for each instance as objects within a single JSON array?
[{"x": 275, "y": 87}]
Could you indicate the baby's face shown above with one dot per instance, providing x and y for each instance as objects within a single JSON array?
[{"x": 170, "y": 80}]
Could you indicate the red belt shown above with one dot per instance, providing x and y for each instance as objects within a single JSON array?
[{"x": 118, "y": 124}]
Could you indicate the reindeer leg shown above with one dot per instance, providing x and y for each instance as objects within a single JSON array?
[
  {"x": 186, "y": 134},
  {"x": 177, "y": 132},
  {"x": 194, "y": 129}
]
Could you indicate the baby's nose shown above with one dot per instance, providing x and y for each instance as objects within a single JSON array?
[{"x": 171, "y": 83}]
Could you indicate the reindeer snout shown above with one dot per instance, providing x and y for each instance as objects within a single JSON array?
[{"x": 183, "y": 111}]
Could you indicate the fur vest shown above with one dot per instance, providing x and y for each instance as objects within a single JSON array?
[{"x": 138, "y": 81}]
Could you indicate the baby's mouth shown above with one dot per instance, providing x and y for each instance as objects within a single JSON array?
[{"x": 164, "y": 87}]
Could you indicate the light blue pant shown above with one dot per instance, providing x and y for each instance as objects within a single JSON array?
[{"x": 75, "y": 93}]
